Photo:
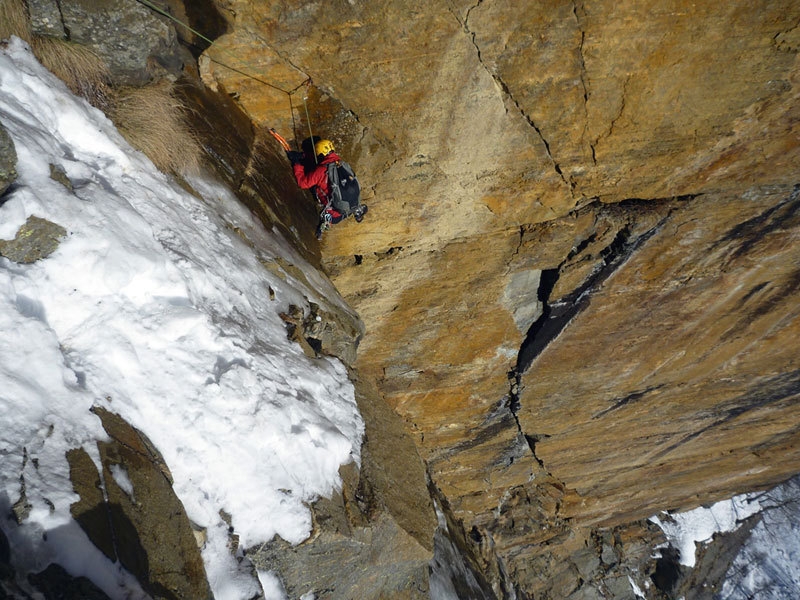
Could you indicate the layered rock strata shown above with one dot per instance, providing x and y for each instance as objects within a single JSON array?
[
  {"x": 578, "y": 270},
  {"x": 662, "y": 372}
]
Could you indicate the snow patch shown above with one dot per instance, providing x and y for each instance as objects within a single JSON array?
[
  {"x": 124, "y": 482},
  {"x": 687, "y": 529},
  {"x": 155, "y": 309}
]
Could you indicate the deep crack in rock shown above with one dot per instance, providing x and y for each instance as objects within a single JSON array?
[
  {"x": 507, "y": 92},
  {"x": 584, "y": 74}
]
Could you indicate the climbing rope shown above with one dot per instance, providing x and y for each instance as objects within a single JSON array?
[
  {"x": 310, "y": 134},
  {"x": 210, "y": 42}
]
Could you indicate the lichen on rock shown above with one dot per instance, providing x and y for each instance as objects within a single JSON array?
[
  {"x": 8, "y": 161},
  {"x": 37, "y": 239}
]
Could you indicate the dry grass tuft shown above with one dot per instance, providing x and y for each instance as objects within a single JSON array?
[
  {"x": 14, "y": 20},
  {"x": 85, "y": 73},
  {"x": 151, "y": 118},
  {"x": 154, "y": 121}
]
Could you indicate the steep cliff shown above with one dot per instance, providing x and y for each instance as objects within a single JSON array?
[{"x": 578, "y": 275}]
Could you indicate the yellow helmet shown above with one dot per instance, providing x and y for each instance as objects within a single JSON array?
[{"x": 323, "y": 147}]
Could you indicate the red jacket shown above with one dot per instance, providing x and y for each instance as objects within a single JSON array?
[{"x": 315, "y": 177}]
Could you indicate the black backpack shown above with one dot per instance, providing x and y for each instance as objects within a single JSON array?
[{"x": 345, "y": 193}]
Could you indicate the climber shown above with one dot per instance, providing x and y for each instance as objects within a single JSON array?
[{"x": 330, "y": 179}]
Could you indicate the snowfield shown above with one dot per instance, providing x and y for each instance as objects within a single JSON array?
[{"x": 153, "y": 308}]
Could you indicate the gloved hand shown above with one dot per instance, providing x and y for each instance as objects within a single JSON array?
[{"x": 294, "y": 157}]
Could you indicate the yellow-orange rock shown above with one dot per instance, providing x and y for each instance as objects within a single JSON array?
[
  {"x": 682, "y": 369},
  {"x": 487, "y": 137}
]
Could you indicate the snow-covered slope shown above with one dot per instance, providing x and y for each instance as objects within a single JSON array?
[
  {"x": 767, "y": 563},
  {"x": 153, "y": 308}
]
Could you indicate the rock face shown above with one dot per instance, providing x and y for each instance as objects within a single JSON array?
[
  {"x": 375, "y": 538},
  {"x": 578, "y": 270},
  {"x": 577, "y": 275},
  {"x": 141, "y": 523},
  {"x": 705, "y": 396},
  {"x": 37, "y": 239},
  {"x": 129, "y": 512},
  {"x": 125, "y": 35},
  {"x": 8, "y": 160}
]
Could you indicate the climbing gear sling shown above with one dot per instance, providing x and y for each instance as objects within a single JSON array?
[{"x": 281, "y": 140}]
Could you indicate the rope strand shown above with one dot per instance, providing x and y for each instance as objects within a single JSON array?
[
  {"x": 164, "y": 13},
  {"x": 311, "y": 135},
  {"x": 290, "y": 93}
]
